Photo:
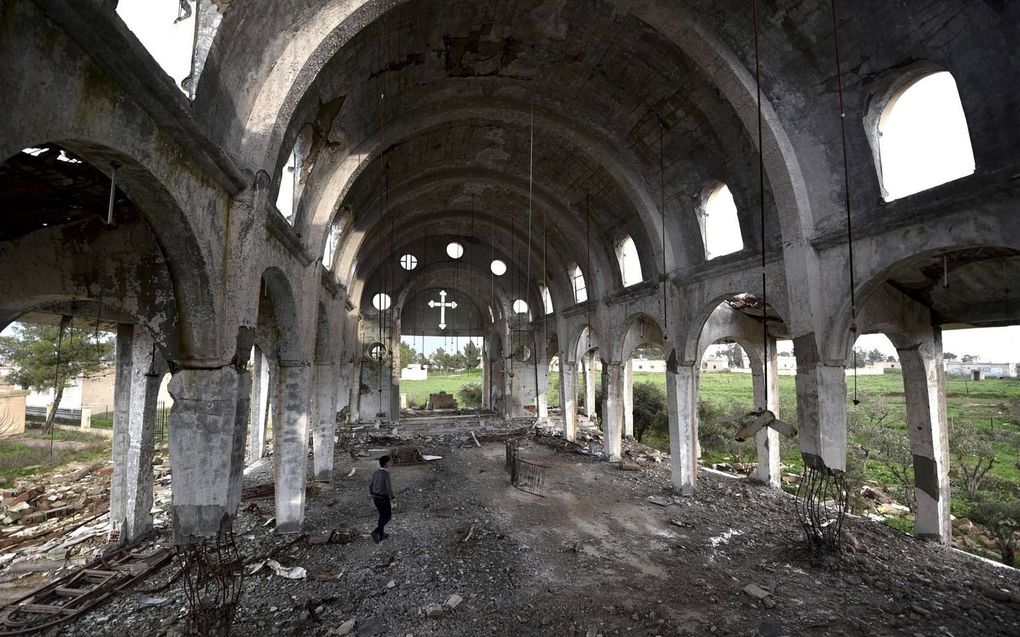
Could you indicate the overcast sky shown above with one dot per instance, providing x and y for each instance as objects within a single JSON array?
[{"x": 904, "y": 131}]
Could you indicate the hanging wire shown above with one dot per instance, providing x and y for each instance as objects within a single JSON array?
[
  {"x": 761, "y": 205},
  {"x": 531, "y": 180},
  {"x": 587, "y": 231},
  {"x": 662, "y": 208},
  {"x": 846, "y": 191}
]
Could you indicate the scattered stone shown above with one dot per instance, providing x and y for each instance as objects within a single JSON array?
[
  {"x": 756, "y": 591},
  {"x": 391, "y": 584},
  {"x": 345, "y": 628},
  {"x": 434, "y": 610},
  {"x": 454, "y": 601},
  {"x": 659, "y": 500},
  {"x": 629, "y": 466}
]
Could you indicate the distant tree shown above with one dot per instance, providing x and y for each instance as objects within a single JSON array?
[
  {"x": 440, "y": 360},
  {"x": 408, "y": 355},
  {"x": 457, "y": 361},
  {"x": 968, "y": 358},
  {"x": 880, "y": 439},
  {"x": 890, "y": 359},
  {"x": 472, "y": 355},
  {"x": 949, "y": 356},
  {"x": 875, "y": 356},
  {"x": 734, "y": 355},
  {"x": 1001, "y": 516},
  {"x": 974, "y": 456},
  {"x": 32, "y": 354},
  {"x": 786, "y": 353},
  {"x": 861, "y": 357}
]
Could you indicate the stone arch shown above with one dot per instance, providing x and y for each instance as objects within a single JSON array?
[
  {"x": 278, "y": 298},
  {"x": 639, "y": 329}
]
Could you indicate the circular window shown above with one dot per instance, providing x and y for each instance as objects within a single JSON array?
[
  {"x": 455, "y": 250},
  {"x": 520, "y": 307},
  {"x": 409, "y": 262},
  {"x": 377, "y": 352},
  {"x": 498, "y": 267},
  {"x": 381, "y": 301}
]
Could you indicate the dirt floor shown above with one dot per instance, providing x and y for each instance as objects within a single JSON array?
[{"x": 592, "y": 557}]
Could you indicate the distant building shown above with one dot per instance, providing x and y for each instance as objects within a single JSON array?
[
  {"x": 415, "y": 371},
  {"x": 990, "y": 370},
  {"x": 647, "y": 365},
  {"x": 714, "y": 364}
]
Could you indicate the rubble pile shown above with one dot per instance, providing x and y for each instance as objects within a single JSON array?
[{"x": 57, "y": 521}]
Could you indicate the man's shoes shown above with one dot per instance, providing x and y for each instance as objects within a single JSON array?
[{"x": 376, "y": 537}]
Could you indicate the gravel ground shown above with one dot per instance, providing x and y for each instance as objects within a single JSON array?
[{"x": 592, "y": 557}]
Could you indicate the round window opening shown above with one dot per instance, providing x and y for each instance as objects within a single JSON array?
[
  {"x": 455, "y": 250},
  {"x": 409, "y": 262},
  {"x": 381, "y": 301},
  {"x": 498, "y": 267},
  {"x": 377, "y": 352},
  {"x": 520, "y": 307}
]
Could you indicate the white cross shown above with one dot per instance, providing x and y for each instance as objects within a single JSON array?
[{"x": 442, "y": 305}]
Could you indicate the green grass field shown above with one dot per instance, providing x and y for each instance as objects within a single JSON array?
[
  {"x": 981, "y": 404},
  {"x": 21, "y": 460}
]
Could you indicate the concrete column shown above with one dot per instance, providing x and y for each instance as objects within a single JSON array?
[
  {"x": 136, "y": 388},
  {"x": 510, "y": 397},
  {"x": 821, "y": 408},
  {"x": 290, "y": 443},
  {"x": 612, "y": 428},
  {"x": 568, "y": 398},
  {"x": 542, "y": 388},
  {"x": 395, "y": 365},
  {"x": 486, "y": 380},
  {"x": 767, "y": 439},
  {"x": 924, "y": 386},
  {"x": 325, "y": 423},
  {"x": 208, "y": 424},
  {"x": 589, "y": 384},
  {"x": 682, "y": 405},
  {"x": 259, "y": 408},
  {"x": 628, "y": 399}
]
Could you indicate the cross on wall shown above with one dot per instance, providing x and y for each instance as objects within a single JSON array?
[{"x": 442, "y": 305}]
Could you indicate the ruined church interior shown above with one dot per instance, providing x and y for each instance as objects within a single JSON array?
[{"x": 264, "y": 222}]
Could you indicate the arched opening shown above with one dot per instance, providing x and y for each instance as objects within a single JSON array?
[
  {"x": 630, "y": 262},
  {"x": 720, "y": 226},
  {"x": 167, "y": 31},
  {"x": 577, "y": 283},
  {"x": 547, "y": 302},
  {"x": 295, "y": 172},
  {"x": 922, "y": 137}
]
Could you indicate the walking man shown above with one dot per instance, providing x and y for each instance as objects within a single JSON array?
[{"x": 381, "y": 490}]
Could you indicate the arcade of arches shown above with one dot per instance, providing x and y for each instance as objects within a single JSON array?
[{"x": 418, "y": 142}]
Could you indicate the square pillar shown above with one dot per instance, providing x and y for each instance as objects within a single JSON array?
[
  {"x": 542, "y": 388},
  {"x": 290, "y": 443},
  {"x": 628, "y": 399},
  {"x": 568, "y": 398},
  {"x": 612, "y": 428},
  {"x": 589, "y": 384},
  {"x": 325, "y": 423},
  {"x": 486, "y": 380},
  {"x": 259, "y": 408},
  {"x": 136, "y": 389},
  {"x": 207, "y": 426},
  {"x": 682, "y": 405},
  {"x": 924, "y": 387},
  {"x": 767, "y": 439},
  {"x": 821, "y": 408}
]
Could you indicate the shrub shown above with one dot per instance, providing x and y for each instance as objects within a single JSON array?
[
  {"x": 1002, "y": 519},
  {"x": 470, "y": 395},
  {"x": 650, "y": 410}
]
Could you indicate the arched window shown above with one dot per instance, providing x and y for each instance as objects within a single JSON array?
[
  {"x": 332, "y": 240},
  {"x": 546, "y": 298},
  {"x": 292, "y": 179},
  {"x": 577, "y": 282},
  {"x": 520, "y": 306},
  {"x": 630, "y": 263},
  {"x": 720, "y": 228},
  {"x": 923, "y": 140},
  {"x": 381, "y": 301},
  {"x": 166, "y": 30}
]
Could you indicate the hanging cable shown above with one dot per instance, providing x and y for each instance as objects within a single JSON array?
[
  {"x": 664, "y": 281},
  {"x": 531, "y": 181},
  {"x": 587, "y": 231},
  {"x": 761, "y": 206},
  {"x": 846, "y": 191}
]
